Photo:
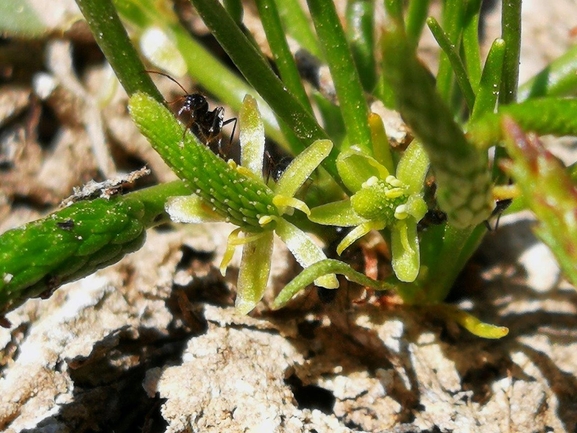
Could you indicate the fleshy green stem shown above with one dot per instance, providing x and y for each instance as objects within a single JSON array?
[{"x": 76, "y": 241}]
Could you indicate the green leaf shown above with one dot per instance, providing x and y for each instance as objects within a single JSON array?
[
  {"x": 451, "y": 51},
  {"x": 487, "y": 93},
  {"x": 556, "y": 116},
  {"x": 343, "y": 72},
  {"x": 558, "y": 78},
  {"x": 280, "y": 50},
  {"x": 360, "y": 28}
]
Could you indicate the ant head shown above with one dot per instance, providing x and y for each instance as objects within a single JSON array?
[
  {"x": 195, "y": 103},
  {"x": 192, "y": 103}
]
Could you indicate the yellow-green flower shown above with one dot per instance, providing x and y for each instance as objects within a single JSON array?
[
  {"x": 256, "y": 209},
  {"x": 381, "y": 200}
]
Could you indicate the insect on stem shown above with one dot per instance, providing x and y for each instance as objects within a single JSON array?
[{"x": 205, "y": 124}]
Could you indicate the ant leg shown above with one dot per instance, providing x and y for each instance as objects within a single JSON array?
[
  {"x": 225, "y": 150},
  {"x": 226, "y": 122},
  {"x": 269, "y": 166}
]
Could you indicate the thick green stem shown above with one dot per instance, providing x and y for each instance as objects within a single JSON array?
[{"x": 76, "y": 241}]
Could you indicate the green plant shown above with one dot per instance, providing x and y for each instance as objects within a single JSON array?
[{"x": 456, "y": 117}]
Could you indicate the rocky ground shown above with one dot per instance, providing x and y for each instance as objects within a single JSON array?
[{"x": 153, "y": 344}]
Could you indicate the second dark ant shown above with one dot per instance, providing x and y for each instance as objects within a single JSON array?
[
  {"x": 273, "y": 169},
  {"x": 500, "y": 207},
  {"x": 432, "y": 217},
  {"x": 205, "y": 124}
]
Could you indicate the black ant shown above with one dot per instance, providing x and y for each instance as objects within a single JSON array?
[
  {"x": 500, "y": 207},
  {"x": 205, "y": 124},
  {"x": 432, "y": 217},
  {"x": 274, "y": 169}
]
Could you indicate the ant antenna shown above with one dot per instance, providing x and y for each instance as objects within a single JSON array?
[{"x": 169, "y": 77}]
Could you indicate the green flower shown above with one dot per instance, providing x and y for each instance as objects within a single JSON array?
[
  {"x": 259, "y": 209},
  {"x": 381, "y": 200}
]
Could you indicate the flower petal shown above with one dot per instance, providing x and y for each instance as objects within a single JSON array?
[
  {"x": 282, "y": 203},
  {"x": 254, "y": 272},
  {"x": 416, "y": 206},
  {"x": 356, "y": 167},
  {"x": 231, "y": 245},
  {"x": 306, "y": 252},
  {"x": 357, "y": 233},
  {"x": 301, "y": 167},
  {"x": 190, "y": 209},
  {"x": 381, "y": 147},
  {"x": 251, "y": 136},
  {"x": 338, "y": 213},
  {"x": 413, "y": 167},
  {"x": 405, "y": 250}
]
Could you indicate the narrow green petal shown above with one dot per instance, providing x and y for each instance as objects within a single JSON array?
[
  {"x": 405, "y": 250},
  {"x": 254, "y": 272},
  {"x": 231, "y": 245},
  {"x": 302, "y": 167},
  {"x": 381, "y": 147},
  {"x": 325, "y": 267},
  {"x": 416, "y": 207},
  {"x": 355, "y": 168},
  {"x": 282, "y": 203},
  {"x": 357, "y": 233},
  {"x": 251, "y": 136},
  {"x": 338, "y": 213},
  {"x": 190, "y": 209},
  {"x": 413, "y": 167},
  {"x": 305, "y": 251}
]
